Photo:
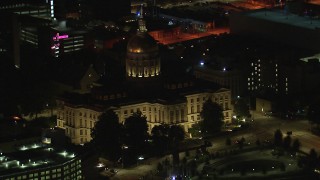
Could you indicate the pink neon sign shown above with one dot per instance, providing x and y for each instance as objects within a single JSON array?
[
  {"x": 55, "y": 46},
  {"x": 57, "y": 37}
]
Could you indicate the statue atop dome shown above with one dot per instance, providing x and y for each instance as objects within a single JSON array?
[{"x": 142, "y": 22}]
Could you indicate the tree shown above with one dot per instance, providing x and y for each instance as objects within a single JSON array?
[
  {"x": 195, "y": 130},
  {"x": 166, "y": 137},
  {"x": 241, "y": 108},
  {"x": 312, "y": 158},
  {"x": 160, "y": 138},
  {"x": 212, "y": 117},
  {"x": 241, "y": 142},
  {"x": 228, "y": 141},
  {"x": 296, "y": 145},
  {"x": 313, "y": 154},
  {"x": 287, "y": 142},
  {"x": 258, "y": 143},
  {"x": 136, "y": 131},
  {"x": 106, "y": 135},
  {"x": 278, "y": 138},
  {"x": 176, "y": 134}
]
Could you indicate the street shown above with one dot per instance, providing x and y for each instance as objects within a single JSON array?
[{"x": 262, "y": 128}]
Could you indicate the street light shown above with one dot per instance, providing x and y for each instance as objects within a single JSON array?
[{"x": 140, "y": 158}]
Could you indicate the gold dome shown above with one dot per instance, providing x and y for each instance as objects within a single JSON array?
[{"x": 142, "y": 43}]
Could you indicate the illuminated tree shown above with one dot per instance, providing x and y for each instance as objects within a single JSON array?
[{"x": 195, "y": 130}]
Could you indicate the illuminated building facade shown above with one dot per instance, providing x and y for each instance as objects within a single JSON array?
[
  {"x": 184, "y": 110},
  {"x": 40, "y": 10},
  {"x": 186, "y": 23},
  {"x": 142, "y": 54},
  {"x": 30, "y": 35},
  {"x": 66, "y": 40}
]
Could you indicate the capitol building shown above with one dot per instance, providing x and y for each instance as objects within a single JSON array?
[{"x": 174, "y": 100}]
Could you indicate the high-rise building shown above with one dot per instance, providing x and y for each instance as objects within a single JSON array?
[{"x": 9, "y": 37}]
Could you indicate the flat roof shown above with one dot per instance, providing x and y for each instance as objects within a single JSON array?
[
  {"x": 32, "y": 156},
  {"x": 280, "y": 16},
  {"x": 316, "y": 2}
]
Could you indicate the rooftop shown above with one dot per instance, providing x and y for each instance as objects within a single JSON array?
[
  {"x": 281, "y": 16},
  {"x": 32, "y": 156}
]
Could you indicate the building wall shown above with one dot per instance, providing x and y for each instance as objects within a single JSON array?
[
  {"x": 73, "y": 42},
  {"x": 78, "y": 121},
  {"x": 40, "y": 11},
  {"x": 29, "y": 36},
  {"x": 164, "y": 34},
  {"x": 263, "y": 105},
  {"x": 67, "y": 170},
  {"x": 86, "y": 83},
  {"x": 233, "y": 80}
]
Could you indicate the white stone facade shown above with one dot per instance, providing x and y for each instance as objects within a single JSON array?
[{"x": 79, "y": 120}]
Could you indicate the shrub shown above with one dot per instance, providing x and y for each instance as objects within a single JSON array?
[
  {"x": 221, "y": 171},
  {"x": 282, "y": 167},
  {"x": 264, "y": 170},
  {"x": 243, "y": 171},
  {"x": 187, "y": 153},
  {"x": 217, "y": 154}
]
